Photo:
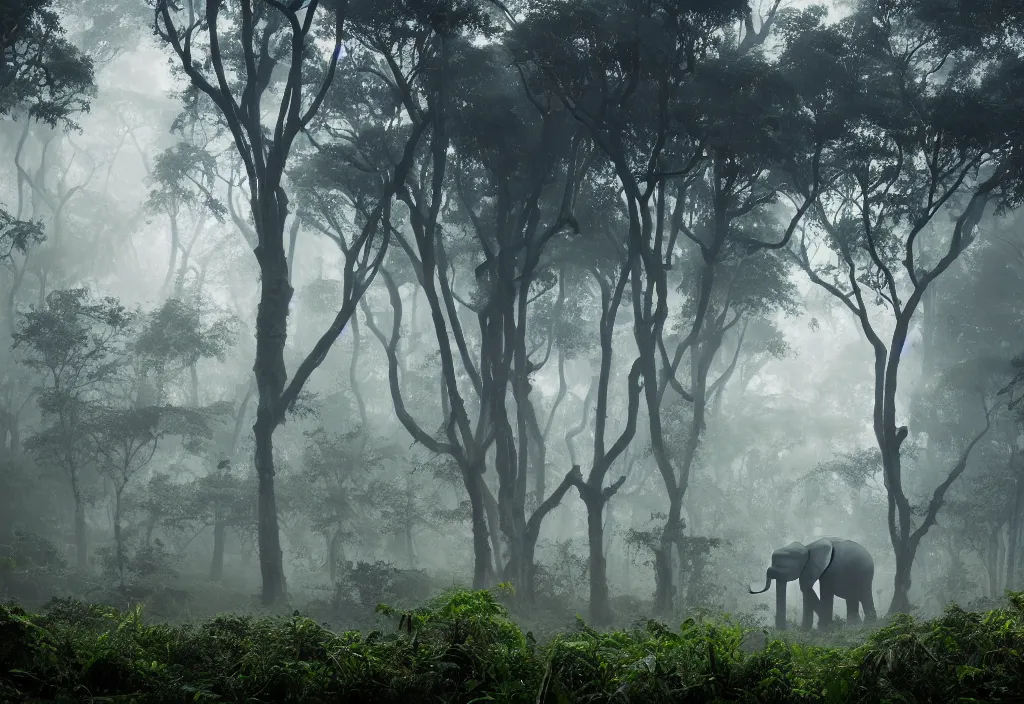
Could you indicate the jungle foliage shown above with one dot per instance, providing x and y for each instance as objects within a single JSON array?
[{"x": 464, "y": 647}]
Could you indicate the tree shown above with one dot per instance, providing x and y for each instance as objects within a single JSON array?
[
  {"x": 517, "y": 162},
  {"x": 41, "y": 73},
  {"x": 645, "y": 80},
  {"x": 123, "y": 439},
  {"x": 248, "y": 43},
  {"x": 44, "y": 77},
  {"x": 17, "y": 236},
  {"x": 917, "y": 147},
  {"x": 971, "y": 320},
  {"x": 77, "y": 342},
  {"x": 176, "y": 337},
  {"x": 183, "y": 180},
  {"x": 438, "y": 39}
]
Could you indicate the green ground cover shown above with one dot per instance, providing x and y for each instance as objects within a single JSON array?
[{"x": 465, "y": 647}]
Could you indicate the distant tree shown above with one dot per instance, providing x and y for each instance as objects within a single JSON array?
[
  {"x": 222, "y": 499},
  {"x": 123, "y": 440},
  {"x": 178, "y": 335},
  {"x": 77, "y": 344},
  {"x": 183, "y": 182}
]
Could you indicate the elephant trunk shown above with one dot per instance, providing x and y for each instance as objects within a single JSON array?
[
  {"x": 780, "y": 595},
  {"x": 767, "y": 583}
]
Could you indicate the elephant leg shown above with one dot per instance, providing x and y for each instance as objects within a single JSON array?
[
  {"x": 825, "y": 610},
  {"x": 810, "y": 606},
  {"x": 869, "y": 607},
  {"x": 852, "y": 611}
]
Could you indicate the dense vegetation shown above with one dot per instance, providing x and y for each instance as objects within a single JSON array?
[{"x": 463, "y": 647}]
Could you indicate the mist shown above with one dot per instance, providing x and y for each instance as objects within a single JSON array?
[{"x": 592, "y": 306}]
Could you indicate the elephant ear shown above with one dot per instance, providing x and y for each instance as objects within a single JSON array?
[{"x": 819, "y": 555}]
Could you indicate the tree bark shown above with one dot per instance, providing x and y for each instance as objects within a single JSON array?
[
  {"x": 118, "y": 537},
  {"x": 1014, "y": 534},
  {"x": 600, "y": 606},
  {"x": 217, "y": 561},
  {"x": 267, "y": 529},
  {"x": 333, "y": 545},
  {"x": 473, "y": 481},
  {"x": 81, "y": 531}
]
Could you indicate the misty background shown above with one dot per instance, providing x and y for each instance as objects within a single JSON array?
[{"x": 572, "y": 306}]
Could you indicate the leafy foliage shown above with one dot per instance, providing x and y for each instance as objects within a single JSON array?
[
  {"x": 17, "y": 235},
  {"x": 464, "y": 647},
  {"x": 41, "y": 72}
]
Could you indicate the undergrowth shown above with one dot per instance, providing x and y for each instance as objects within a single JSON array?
[{"x": 464, "y": 647}]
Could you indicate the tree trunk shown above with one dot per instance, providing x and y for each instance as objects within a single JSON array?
[
  {"x": 268, "y": 532},
  {"x": 118, "y": 538},
  {"x": 81, "y": 535},
  {"x": 1000, "y": 563},
  {"x": 600, "y": 608},
  {"x": 664, "y": 591},
  {"x": 15, "y": 434},
  {"x": 332, "y": 556},
  {"x": 410, "y": 546},
  {"x": 271, "y": 375},
  {"x": 663, "y": 586},
  {"x": 473, "y": 479},
  {"x": 901, "y": 583},
  {"x": 1013, "y": 536},
  {"x": 193, "y": 385},
  {"x": 217, "y": 561}
]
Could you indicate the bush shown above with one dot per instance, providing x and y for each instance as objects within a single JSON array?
[
  {"x": 142, "y": 562},
  {"x": 464, "y": 647},
  {"x": 31, "y": 568}
]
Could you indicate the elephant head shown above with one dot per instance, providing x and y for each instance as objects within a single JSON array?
[{"x": 796, "y": 561}]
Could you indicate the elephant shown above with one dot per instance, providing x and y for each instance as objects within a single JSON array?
[{"x": 841, "y": 567}]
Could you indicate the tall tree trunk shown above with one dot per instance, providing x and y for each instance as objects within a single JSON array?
[
  {"x": 81, "y": 534},
  {"x": 217, "y": 561},
  {"x": 193, "y": 385},
  {"x": 473, "y": 481},
  {"x": 268, "y": 531},
  {"x": 118, "y": 537},
  {"x": 600, "y": 606},
  {"x": 664, "y": 589},
  {"x": 150, "y": 527},
  {"x": 333, "y": 546},
  {"x": 904, "y": 555},
  {"x": 271, "y": 336},
  {"x": 1000, "y": 562},
  {"x": 1014, "y": 531}
]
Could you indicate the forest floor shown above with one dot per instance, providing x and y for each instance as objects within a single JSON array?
[{"x": 465, "y": 647}]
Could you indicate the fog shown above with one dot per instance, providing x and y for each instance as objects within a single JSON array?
[{"x": 596, "y": 306}]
